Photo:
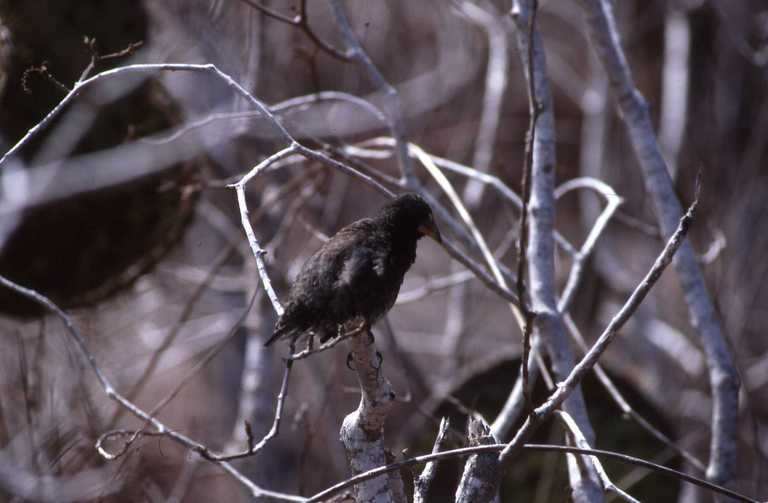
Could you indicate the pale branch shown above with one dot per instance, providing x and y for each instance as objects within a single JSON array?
[
  {"x": 612, "y": 201},
  {"x": 539, "y": 258},
  {"x": 581, "y": 441},
  {"x": 422, "y": 483},
  {"x": 626, "y": 409},
  {"x": 723, "y": 377},
  {"x": 485, "y": 16},
  {"x": 362, "y": 431},
  {"x": 589, "y": 360},
  {"x": 458, "y": 205},
  {"x": 395, "y": 119}
]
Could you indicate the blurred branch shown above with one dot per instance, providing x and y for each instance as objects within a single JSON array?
[
  {"x": 395, "y": 121},
  {"x": 433, "y": 285},
  {"x": 173, "y": 333},
  {"x": 674, "y": 85},
  {"x": 301, "y": 20},
  {"x": 109, "y": 390},
  {"x": 723, "y": 378},
  {"x": 492, "y": 23},
  {"x": 612, "y": 202},
  {"x": 458, "y": 205}
]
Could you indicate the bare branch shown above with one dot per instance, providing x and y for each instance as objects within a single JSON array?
[
  {"x": 539, "y": 251},
  {"x": 626, "y": 409},
  {"x": 590, "y": 359},
  {"x": 723, "y": 377},
  {"x": 395, "y": 117},
  {"x": 467, "y": 451},
  {"x": 362, "y": 432},
  {"x": 301, "y": 21},
  {"x": 580, "y": 441},
  {"x": 422, "y": 483}
]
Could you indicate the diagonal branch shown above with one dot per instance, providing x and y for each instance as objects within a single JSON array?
[{"x": 565, "y": 388}]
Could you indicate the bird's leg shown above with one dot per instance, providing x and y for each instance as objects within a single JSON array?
[{"x": 311, "y": 341}]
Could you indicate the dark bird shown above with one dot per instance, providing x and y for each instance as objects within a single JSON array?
[{"x": 357, "y": 273}]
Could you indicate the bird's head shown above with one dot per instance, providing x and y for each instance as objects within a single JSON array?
[{"x": 410, "y": 211}]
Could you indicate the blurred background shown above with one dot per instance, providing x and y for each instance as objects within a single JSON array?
[{"x": 119, "y": 212}]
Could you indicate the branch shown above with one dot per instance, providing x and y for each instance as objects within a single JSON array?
[
  {"x": 422, "y": 483},
  {"x": 468, "y": 451},
  {"x": 581, "y": 441},
  {"x": 395, "y": 117},
  {"x": 723, "y": 377},
  {"x": 302, "y": 22},
  {"x": 362, "y": 432},
  {"x": 589, "y": 360},
  {"x": 495, "y": 84},
  {"x": 540, "y": 250},
  {"x": 626, "y": 409}
]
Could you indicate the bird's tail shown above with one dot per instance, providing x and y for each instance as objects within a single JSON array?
[
  {"x": 278, "y": 333},
  {"x": 273, "y": 338},
  {"x": 281, "y": 330}
]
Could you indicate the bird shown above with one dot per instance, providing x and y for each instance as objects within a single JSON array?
[{"x": 357, "y": 273}]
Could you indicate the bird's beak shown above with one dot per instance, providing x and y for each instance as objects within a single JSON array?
[{"x": 430, "y": 229}]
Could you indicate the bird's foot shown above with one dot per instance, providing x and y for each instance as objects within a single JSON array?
[
  {"x": 380, "y": 359},
  {"x": 350, "y": 362}
]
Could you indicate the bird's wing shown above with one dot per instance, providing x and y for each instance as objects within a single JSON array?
[{"x": 359, "y": 259}]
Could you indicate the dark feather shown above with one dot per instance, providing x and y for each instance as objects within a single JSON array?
[{"x": 357, "y": 273}]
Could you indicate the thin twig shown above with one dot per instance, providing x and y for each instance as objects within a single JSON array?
[
  {"x": 468, "y": 451},
  {"x": 301, "y": 21},
  {"x": 581, "y": 442},
  {"x": 534, "y": 109},
  {"x": 626, "y": 409},
  {"x": 396, "y": 121},
  {"x": 613, "y": 201}
]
